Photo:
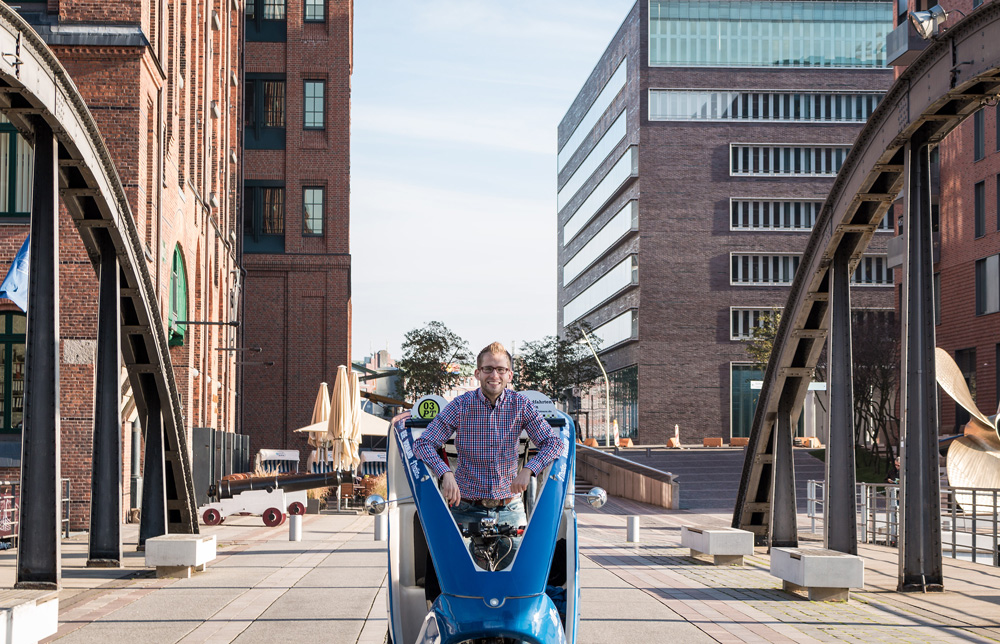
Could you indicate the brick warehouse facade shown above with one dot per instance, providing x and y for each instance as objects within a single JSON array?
[
  {"x": 296, "y": 224},
  {"x": 162, "y": 81},
  {"x": 688, "y": 177}
]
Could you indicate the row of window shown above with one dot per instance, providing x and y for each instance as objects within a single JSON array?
[
  {"x": 625, "y": 168},
  {"x": 264, "y": 216},
  {"x": 594, "y": 112},
  {"x": 265, "y": 19},
  {"x": 600, "y": 151},
  {"x": 742, "y": 321},
  {"x": 779, "y": 270},
  {"x": 264, "y": 109},
  {"x": 754, "y": 160},
  {"x": 780, "y": 214},
  {"x": 624, "y": 222},
  {"x": 719, "y": 105},
  {"x": 762, "y": 33},
  {"x": 622, "y": 276},
  {"x": 617, "y": 330}
]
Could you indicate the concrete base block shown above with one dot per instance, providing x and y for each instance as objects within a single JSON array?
[
  {"x": 176, "y": 555},
  {"x": 718, "y": 560},
  {"x": 826, "y": 575},
  {"x": 28, "y": 616},
  {"x": 722, "y": 546}
]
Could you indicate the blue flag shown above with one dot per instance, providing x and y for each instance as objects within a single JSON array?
[{"x": 15, "y": 285}]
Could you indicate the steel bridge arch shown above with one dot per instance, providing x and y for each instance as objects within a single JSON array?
[
  {"x": 37, "y": 88},
  {"x": 950, "y": 80}
]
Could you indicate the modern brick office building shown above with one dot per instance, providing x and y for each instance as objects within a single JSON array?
[
  {"x": 691, "y": 166},
  {"x": 162, "y": 81},
  {"x": 296, "y": 216}
]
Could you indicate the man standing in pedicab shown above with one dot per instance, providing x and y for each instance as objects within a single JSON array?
[{"x": 487, "y": 424}]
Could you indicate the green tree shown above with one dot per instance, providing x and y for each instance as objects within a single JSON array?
[
  {"x": 761, "y": 340},
  {"x": 427, "y": 354},
  {"x": 552, "y": 365}
]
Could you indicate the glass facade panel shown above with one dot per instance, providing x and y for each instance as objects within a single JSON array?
[
  {"x": 620, "y": 225},
  {"x": 744, "y": 399},
  {"x": 872, "y": 270},
  {"x": 752, "y": 160},
  {"x": 758, "y": 33},
  {"x": 312, "y": 211},
  {"x": 626, "y": 167},
  {"x": 746, "y": 106},
  {"x": 624, "y": 385},
  {"x": 599, "y": 153},
  {"x": 617, "y": 330},
  {"x": 313, "y": 108},
  {"x": 596, "y": 110},
  {"x": 623, "y": 275}
]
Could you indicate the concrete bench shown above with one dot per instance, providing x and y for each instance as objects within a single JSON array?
[
  {"x": 178, "y": 555},
  {"x": 725, "y": 546},
  {"x": 826, "y": 575},
  {"x": 28, "y": 616}
]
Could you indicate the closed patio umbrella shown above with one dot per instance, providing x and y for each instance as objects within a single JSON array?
[
  {"x": 339, "y": 427},
  {"x": 354, "y": 437},
  {"x": 321, "y": 414}
]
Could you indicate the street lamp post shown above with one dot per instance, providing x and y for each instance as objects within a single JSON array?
[{"x": 607, "y": 391}]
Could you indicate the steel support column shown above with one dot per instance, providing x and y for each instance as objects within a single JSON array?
[
  {"x": 840, "y": 531},
  {"x": 106, "y": 466},
  {"x": 38, "y": 544},
  {"x": 153, "y": 521},
  {"x": 784, "y": 525},
  {"x": 920, "y": 567}
]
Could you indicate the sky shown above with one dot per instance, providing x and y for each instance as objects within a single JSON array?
[{"x": 454, "y": 110}]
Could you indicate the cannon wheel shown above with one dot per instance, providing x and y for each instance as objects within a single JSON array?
[
  {"x": 296, "y": 507},
  {"x": 273, "y": 517},
  {"x": 211, "y": 517}
]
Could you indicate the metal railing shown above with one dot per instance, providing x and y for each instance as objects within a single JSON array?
[
  {"x": 970, "y": 518},
  {"x": 10, "y": 509}
]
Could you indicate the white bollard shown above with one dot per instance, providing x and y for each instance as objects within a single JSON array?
[
  {"x": 381, "y": 527},
  {"x": 633, "y": 529},
  {"x": 295, "y": 527}
]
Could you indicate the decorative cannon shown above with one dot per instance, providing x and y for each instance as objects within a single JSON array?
[{"x": 268, "y": 496}]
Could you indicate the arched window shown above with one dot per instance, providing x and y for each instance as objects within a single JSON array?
[{"x": 178, "y": 300}]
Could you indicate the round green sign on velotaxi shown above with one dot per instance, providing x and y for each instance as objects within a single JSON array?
[{"x": 429, "y": 409}]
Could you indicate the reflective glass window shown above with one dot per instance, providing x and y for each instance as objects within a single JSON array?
[
  {"x": 623, "y": 275},
  {"x": 594, "y": 112},
  {"x": 315, "y": 10},
  {"x": 312, "y": 211},
  {"x": 599, "y": 153},
  {"x": 624, "y": 222},
  {"x": 626, "y": 167},
  {"x": 617, "y": 330},
  {"x": 313, "y": 108},
  {"x": 747, "y": 106},
  {"x": 760, "y": 33}
]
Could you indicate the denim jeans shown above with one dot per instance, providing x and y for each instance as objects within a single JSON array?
[{"x": 511, "y": 514}]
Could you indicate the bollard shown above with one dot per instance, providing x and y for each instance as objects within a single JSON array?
[
  {"x": 295, "y": 527},
  {"x": 633, "y": 529},
  {"x": 381, "y": 527}
]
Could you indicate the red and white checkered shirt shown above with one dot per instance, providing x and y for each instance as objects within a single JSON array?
[{"x": 487, "y": 442}]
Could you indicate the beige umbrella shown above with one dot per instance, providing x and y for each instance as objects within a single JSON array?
[
  {"x": 321, "y": 414},
  {"x": 354, "y": 437},
  {"x": 339, "y": 426}
]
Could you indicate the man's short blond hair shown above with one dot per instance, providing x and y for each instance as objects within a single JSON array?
[{"x": 496, "y": 349}]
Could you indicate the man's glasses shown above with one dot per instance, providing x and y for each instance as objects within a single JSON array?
[{"x": 500, "y": 370}]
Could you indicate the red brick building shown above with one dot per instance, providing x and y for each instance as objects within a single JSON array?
[
  {"x": 296, "y": 249},
  {"x": 163, "y": 83}
]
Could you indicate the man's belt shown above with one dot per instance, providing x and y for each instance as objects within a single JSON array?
[{"x": 489, "y": 504}]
